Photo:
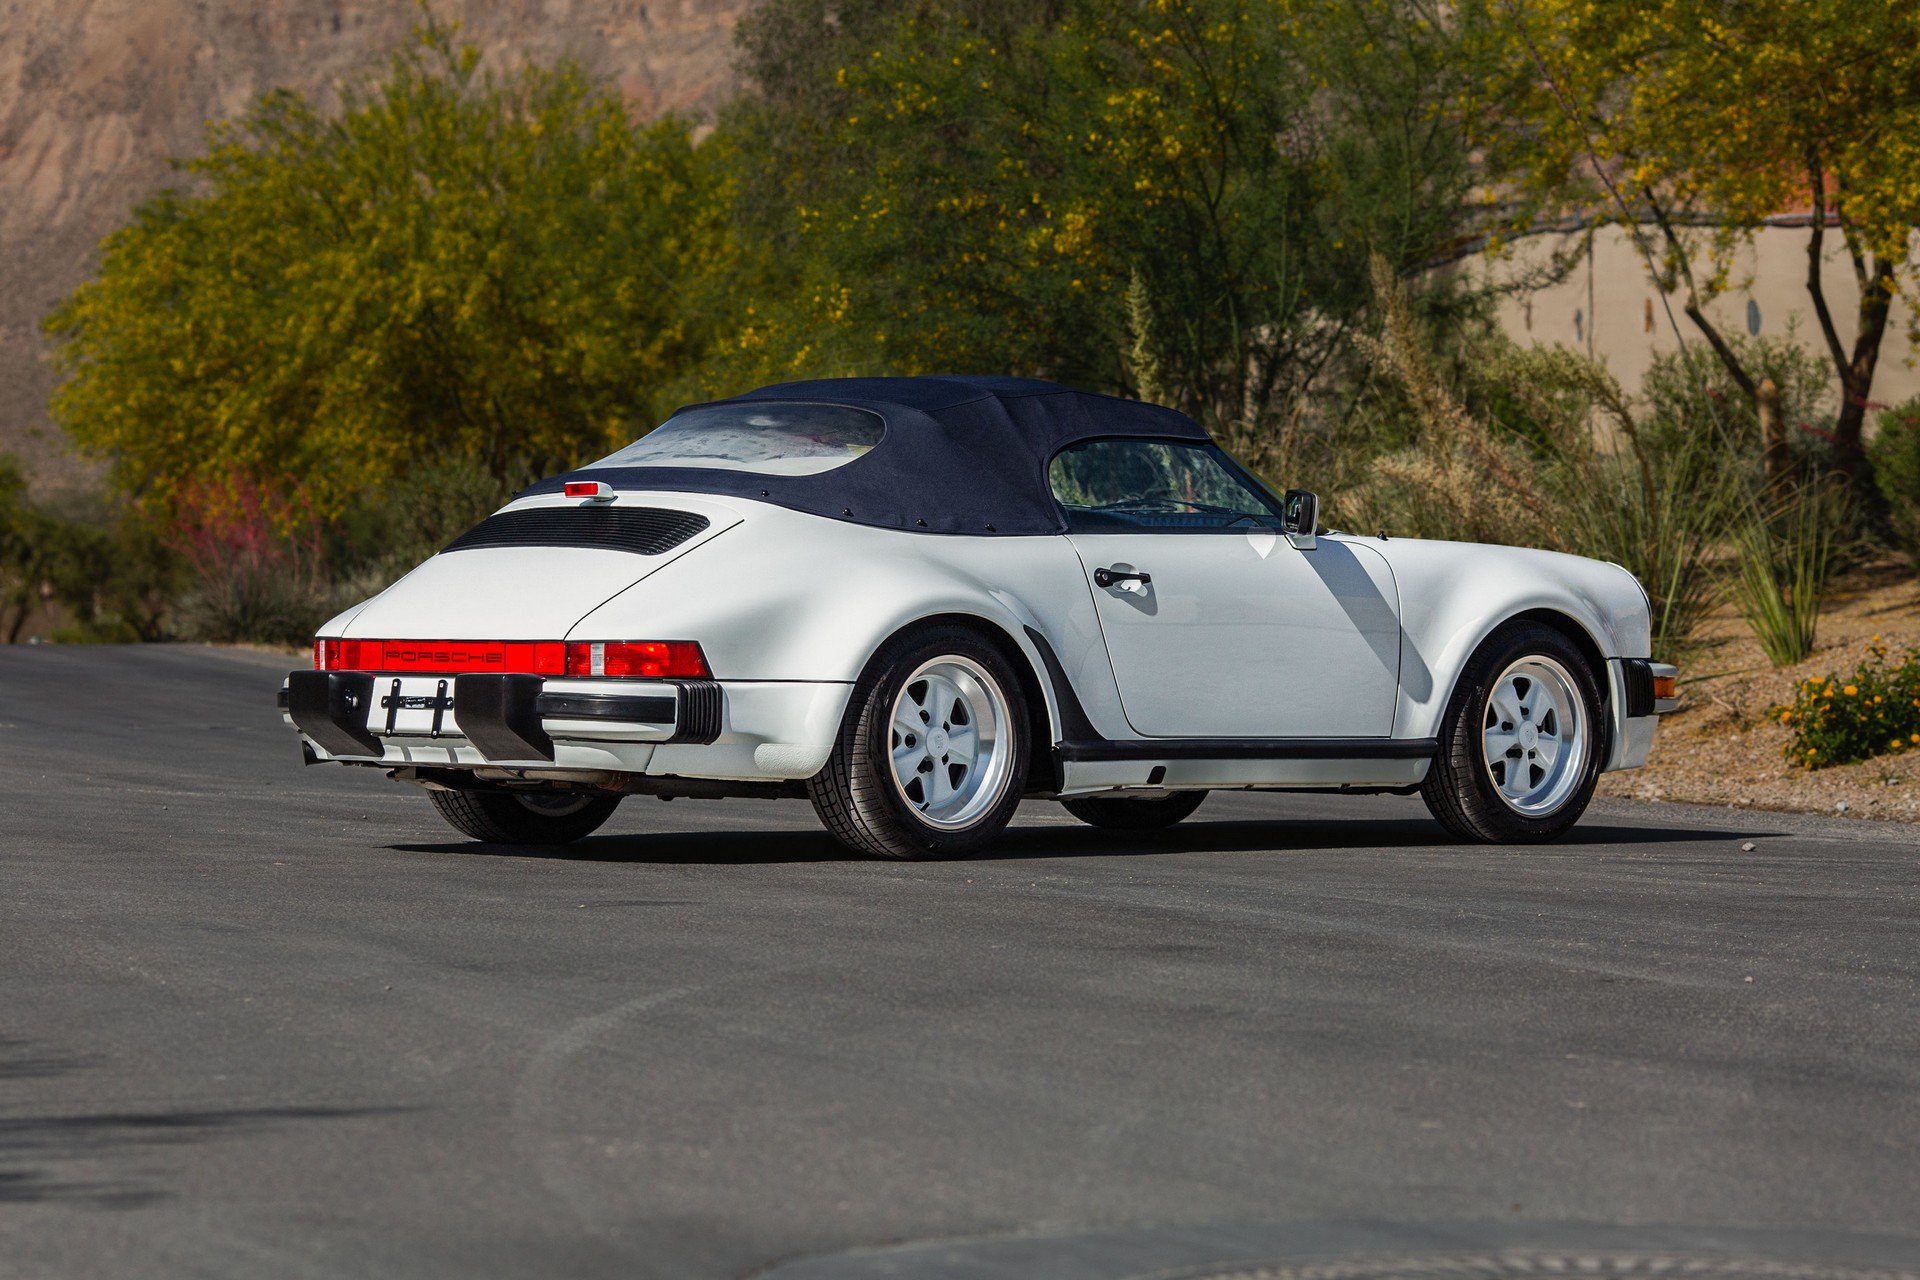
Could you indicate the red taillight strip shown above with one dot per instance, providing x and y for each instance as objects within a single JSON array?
[{"x": 632, "y": 659}]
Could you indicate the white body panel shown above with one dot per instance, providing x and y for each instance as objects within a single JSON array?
[
  {"x": 515, "y": 593},
  {"x": 1301, "y": 643},
  {"x": 1356, "y": 638},
  {"x": 1453, "y": 595}
]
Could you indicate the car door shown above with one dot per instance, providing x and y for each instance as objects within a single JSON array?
[{"x": 1217, "y": 625}]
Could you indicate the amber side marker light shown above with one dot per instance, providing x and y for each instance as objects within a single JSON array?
[{"x": 1666, "y": 686}]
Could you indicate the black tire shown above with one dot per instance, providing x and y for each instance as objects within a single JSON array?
[
  {"x": 524, "y": 817},
  {"x": 856, "y": 794},
  {"x": 1460, "y": 788},
  {"x": 1134, "y": 813}
]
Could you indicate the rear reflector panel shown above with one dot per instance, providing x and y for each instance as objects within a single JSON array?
[{"x": 615, "y": 659}]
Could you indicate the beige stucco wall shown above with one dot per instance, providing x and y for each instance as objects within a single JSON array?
[{"x": 1608, "y": 306}]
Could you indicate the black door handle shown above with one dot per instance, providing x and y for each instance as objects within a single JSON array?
[{"x": 1107, "y": 577}]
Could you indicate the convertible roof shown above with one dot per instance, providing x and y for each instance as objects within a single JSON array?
[{"x": 960, "y": 454}]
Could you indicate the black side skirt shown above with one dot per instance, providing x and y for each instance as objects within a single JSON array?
[{"x": 1250, "y": 749}]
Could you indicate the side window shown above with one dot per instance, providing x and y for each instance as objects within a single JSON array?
[{"x": 1116, "y": 486}]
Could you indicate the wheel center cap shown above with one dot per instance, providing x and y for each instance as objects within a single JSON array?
[
  {"x": 1529, "y": 736},
  {"x": 937, "y": 742}
]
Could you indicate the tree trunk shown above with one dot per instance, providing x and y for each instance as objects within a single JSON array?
[
  {"x": 1773, "y": 436},
  {"x": 1855, "y": 369},
  {"x": 1679, "y": 253},
  {"x": 1856, "y": 377}
]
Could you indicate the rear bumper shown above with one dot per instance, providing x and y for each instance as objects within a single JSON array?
[{"x": 692, "y": 728}]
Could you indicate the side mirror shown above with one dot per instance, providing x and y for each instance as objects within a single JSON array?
[{"x": 1300, "y": 518}]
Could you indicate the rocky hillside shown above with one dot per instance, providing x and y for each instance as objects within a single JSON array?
[{"x": 95, "y": 95}]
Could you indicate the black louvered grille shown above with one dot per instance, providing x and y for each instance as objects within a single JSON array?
[{"x": 645, "y": 531}]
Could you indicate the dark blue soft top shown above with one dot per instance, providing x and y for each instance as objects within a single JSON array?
[{"x": 960, "y": 454}]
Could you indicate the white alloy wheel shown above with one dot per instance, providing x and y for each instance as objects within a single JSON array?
[
  {"x": 1535, "y": 738},
  {"x": 949, "y": 736}
]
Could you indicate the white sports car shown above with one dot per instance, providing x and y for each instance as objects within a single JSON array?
[{"x": 917, "y": 600}]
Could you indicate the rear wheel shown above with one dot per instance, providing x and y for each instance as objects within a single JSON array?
[
  {"x": 1135, "y": 813},
  {"x": 524, "y": 817},
  {"x": 1523, "y": 740},
  {"x": 932, "y": 753}
]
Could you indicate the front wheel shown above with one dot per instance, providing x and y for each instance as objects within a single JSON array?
[
  {"x": 932, "y": 753},
  {"x": 524, "y": 817},
  {"x": 1522, "y": 743}
]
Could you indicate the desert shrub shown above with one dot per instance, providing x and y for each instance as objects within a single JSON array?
[
  {"x": 125, "y": 578},
  {"x": 29, "y": 552},
  {"x": 1895, "y": 454},
  {"x": 1461, "y": 477},
  {"x": 96, "y": 567},
  {"x": 1840, "y": 720},
  {"x": 256, "y": 564},
  {"x": 396, "y": 526},
  {"x": 1783, "y": 558},
  {"x": 1521, "y": 463},
  {"x": 1689, "y": 393}
]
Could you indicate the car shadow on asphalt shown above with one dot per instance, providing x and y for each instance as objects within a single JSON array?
[{"x": 1034, "y": 841}]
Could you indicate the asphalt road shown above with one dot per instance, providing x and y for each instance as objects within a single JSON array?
[{"x": 260, "y": 1020}]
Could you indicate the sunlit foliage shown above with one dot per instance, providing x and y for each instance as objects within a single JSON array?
[
  {"x": 951, "y": 186},
  {"x": 451, "y": 262},
  {"x": 1694, "y": 120}
]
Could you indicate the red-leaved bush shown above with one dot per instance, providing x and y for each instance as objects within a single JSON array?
[{"x": 256, "y": 557}]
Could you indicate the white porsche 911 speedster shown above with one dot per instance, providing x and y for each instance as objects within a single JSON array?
[{"x": 916, "y": 601}]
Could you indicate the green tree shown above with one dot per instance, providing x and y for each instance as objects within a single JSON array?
[
  {"x": 1692, "y": 121},
  {"x": 452, "y": 263},
  {"x": 1020, "y": 186},
  {"x": 100, "y": 565}
]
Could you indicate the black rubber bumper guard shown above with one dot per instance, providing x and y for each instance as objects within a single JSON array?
[{"x": 501, "y": 715}]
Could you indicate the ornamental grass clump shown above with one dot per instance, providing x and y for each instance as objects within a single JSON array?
[
  {"x": 1841, "y": 720},
  {"x": 1784, "y": 558}
]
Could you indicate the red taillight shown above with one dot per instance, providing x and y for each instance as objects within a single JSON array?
[
  {"x": 631, "y": 659},
  {"x": 638, "y": 659},
  {"x": 588, "y": 489}
]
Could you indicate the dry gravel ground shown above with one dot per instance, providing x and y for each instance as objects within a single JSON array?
[{"x": 1722, "y": 748}]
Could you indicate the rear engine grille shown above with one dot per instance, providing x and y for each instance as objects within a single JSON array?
[{"x": 644, "y": 531}]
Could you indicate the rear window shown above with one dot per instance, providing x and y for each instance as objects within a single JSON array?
[{"x": 768, "y": 439}]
